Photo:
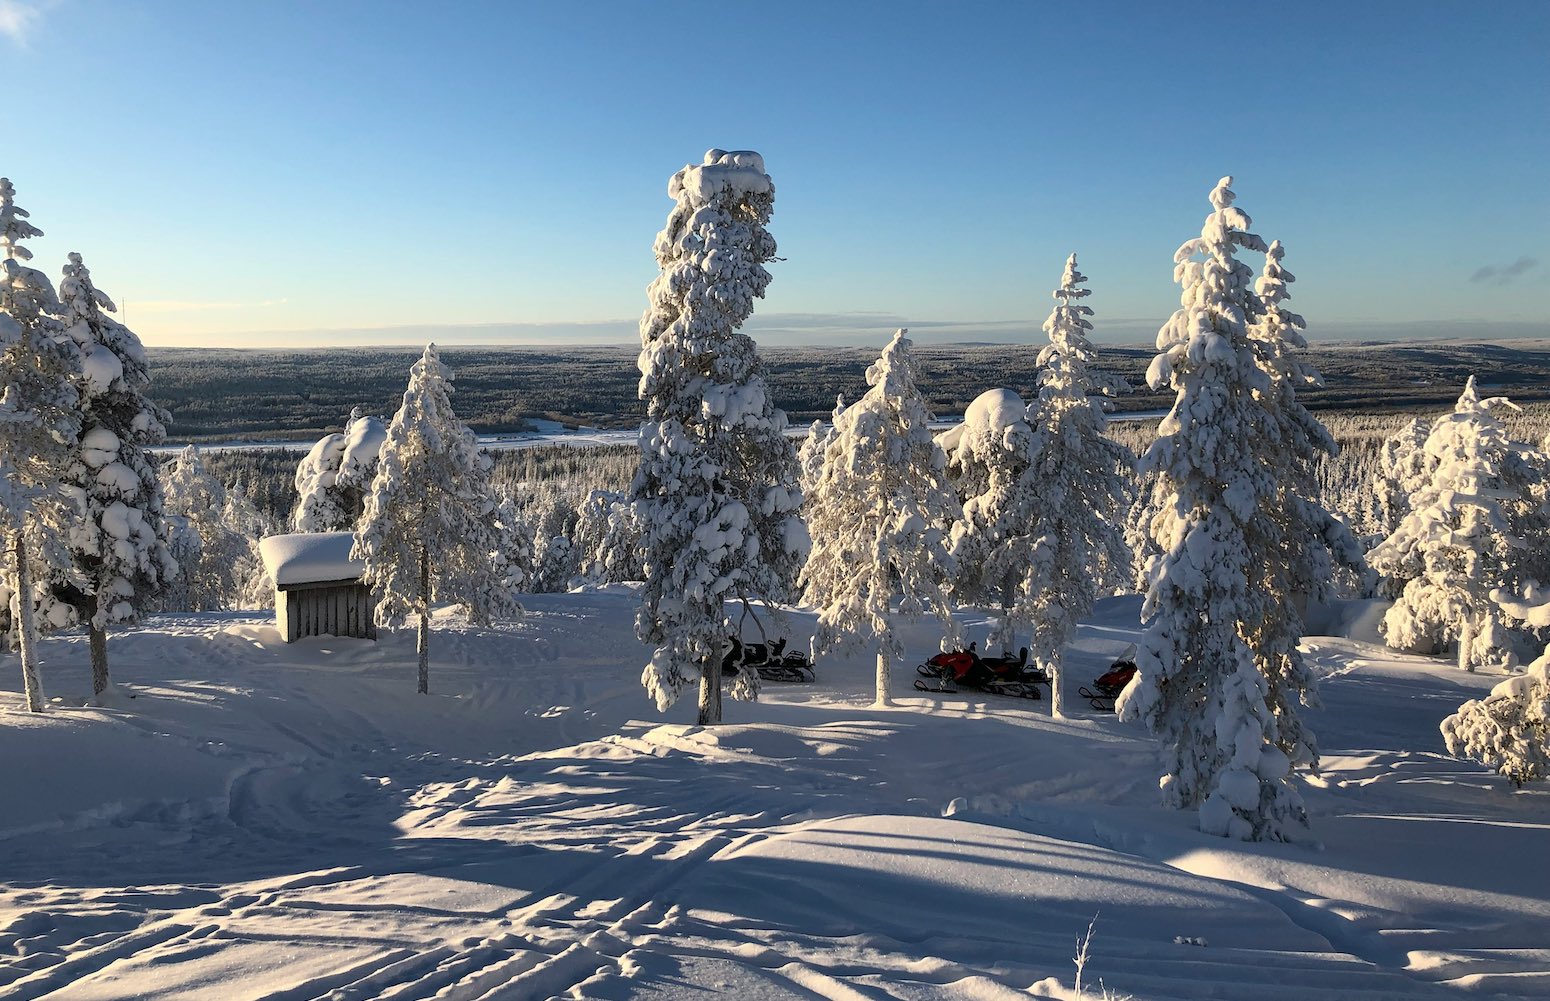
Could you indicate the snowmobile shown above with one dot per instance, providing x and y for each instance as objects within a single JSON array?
[
  {"x": 1003, "y": 675},
  {"x": 771, "y": 660},
  {"x": 1107, "y": 686}
]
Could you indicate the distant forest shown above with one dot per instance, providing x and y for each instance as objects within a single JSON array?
[{"x": 300, "y": 394}]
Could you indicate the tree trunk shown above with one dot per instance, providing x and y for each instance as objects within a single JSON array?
[
  {"x": 26, "y": 627},
  {"x": 710, "y": 691},
  {"x": 423, "y": 644},
  {"x": 1057, "y": 690},
  {"x": 883, "y": 659},
  {"x": 99, "y": 660},
  {"x": 1466, "y": 640},
  {"x": 99, "y": 652}
]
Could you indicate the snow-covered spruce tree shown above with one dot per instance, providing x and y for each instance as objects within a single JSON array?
[
  {"x": 217, "y": 561},
  {"x": 1138, "y": 525},
  {"x": 1508, "y": 730},
  {"x": 1081, "y": 483},
  {"x": 241, "y": 515},
  {"x": 39, "y": 421},
  {"x": 554, "y": 559},
  {"x": 334, "y": 477},
  {"x": 879, "y": 517},
  {"x": 1403, "y": 470},
  {"x": 427, "y": 532},
  {"x": 810, "y": 454},
  {"x": 1201, "y": 687},
  {"x": 1297, "y": 544},
  {"x": 715, "y": 495},
  {"x": 606, "y": 540},
  {"x": 990, "y": 458},
  {"x": 555, "y": 563},
  {"x": 118, "y": 543},
  {"x": 1476, "y": 527},
  {"x": 514, "y": 545},
  {"x": 14, "y": 500}
]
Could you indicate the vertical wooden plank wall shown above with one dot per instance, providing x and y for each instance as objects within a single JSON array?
[{"x": 342, "y": 610}]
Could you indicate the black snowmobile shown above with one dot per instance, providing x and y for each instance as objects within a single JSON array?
[{"x": 772, "y": 660}]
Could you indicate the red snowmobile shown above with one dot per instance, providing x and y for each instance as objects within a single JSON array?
[
  {"x": 1107, "y": 686},
  {"x": 1004, "y": 675}
]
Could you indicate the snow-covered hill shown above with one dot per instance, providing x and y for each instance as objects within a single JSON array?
[{"x": 272, "y": 821}]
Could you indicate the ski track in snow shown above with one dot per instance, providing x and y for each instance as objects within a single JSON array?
[{"x": 294, "y": 823}]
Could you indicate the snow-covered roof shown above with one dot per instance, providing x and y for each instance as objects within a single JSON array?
[{"x": 310, "y": 558}]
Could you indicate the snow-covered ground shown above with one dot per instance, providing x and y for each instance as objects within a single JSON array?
[{"x": 289, "y": 822}]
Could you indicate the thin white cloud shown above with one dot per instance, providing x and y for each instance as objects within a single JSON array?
[{"x": 17, "y": 18}]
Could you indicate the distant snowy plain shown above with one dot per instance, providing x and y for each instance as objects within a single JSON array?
[
  {"x": 554, "y": 433},
  {"x": 290, "y": 822}
]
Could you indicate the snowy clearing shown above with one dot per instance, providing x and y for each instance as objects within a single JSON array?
[{"x": 272, "y": 821}]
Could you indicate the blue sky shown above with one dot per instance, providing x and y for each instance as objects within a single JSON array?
[{"x": 248, "y": 174}]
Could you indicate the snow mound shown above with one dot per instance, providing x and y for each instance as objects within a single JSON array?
[
  {"x": 903, "y": 873},
  {"x": 740, "y": 172},
  {"x": 310, "y": 557},
  {"x": 99, "y": 446},
  {"x": 102, "y": 368},
  {"x": 324, "y": 457},
  {"x": 994, "y": 410},
  {"x": 361, "y": 446}
]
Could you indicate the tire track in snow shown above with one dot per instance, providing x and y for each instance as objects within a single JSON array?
[{"x": 102, "y": 957}]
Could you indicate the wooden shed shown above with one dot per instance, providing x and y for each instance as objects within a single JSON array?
[{"x": 318, "y": 588}]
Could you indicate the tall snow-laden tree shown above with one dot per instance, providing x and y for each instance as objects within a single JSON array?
[
  {"x": 39, "y": 421},
  {"x": 333, "y": 479},
  {"x": 715, "y": 495},
  {"x": 427, "y": 531},
  {"x": 879, "y": 517},
  {"x": 1296, "y": 543},
  {"x": 218, "y": 562},
  {"x": 1201, "y": 687},
  {"x": 1478, "y": 526},
  {"x": 990, "y": 458},
  {"x": 1081, "y": 483},
  {"x": 118, "y": 544}
]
